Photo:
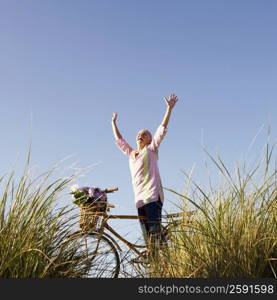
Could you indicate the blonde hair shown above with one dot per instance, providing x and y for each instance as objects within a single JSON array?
[{"x": 148, "y": 133}]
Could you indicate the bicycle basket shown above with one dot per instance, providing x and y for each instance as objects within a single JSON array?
[
  {"x": 92, "y": 202},
  {"x": 90, "y": 214}
]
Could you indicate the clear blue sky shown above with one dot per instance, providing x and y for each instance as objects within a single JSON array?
[{"x": 65, "y": 66}]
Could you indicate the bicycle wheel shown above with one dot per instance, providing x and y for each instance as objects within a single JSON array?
[{"x": 101, "y": 258}]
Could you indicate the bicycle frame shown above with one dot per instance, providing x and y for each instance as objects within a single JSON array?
[{"x": 104, "y": 225}]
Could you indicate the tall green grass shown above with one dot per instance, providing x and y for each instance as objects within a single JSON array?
[
  {"x": 233, "y": 232},
  {"x": 33, "y": 230}
]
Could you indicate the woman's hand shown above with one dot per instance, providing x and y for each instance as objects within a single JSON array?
[
  {"x": 114, "y": 117},
  {"x": 171, "y": 101},
  {"x": 116, "y": 132}
]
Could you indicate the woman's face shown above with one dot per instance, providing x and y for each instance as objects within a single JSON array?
[{"x": 143, "y": 138}]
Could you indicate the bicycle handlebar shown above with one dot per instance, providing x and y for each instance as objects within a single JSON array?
[{"x": 111, "y": 190}]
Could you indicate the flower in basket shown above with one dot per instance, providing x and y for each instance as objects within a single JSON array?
[
  {"x": 74, "y": 188},
  {"x": 80, "y": 195},
  {"x": 87, "y": 195},
  {"x": 96, "y": 194}
]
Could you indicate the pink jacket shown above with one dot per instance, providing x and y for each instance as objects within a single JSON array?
[{"x": 144, "y": 169}]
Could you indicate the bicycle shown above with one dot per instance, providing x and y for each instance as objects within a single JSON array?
[{"x": 100, "y": 248}]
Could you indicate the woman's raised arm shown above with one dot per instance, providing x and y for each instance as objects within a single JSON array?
[
  {"x": 170, "y": 103},
  {"x": 116, "y": 132}
]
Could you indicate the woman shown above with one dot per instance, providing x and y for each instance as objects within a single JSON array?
[{"x": 145, "y": 173}]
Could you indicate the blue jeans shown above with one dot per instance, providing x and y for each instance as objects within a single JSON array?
[{"x": 151, "y": 226}]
